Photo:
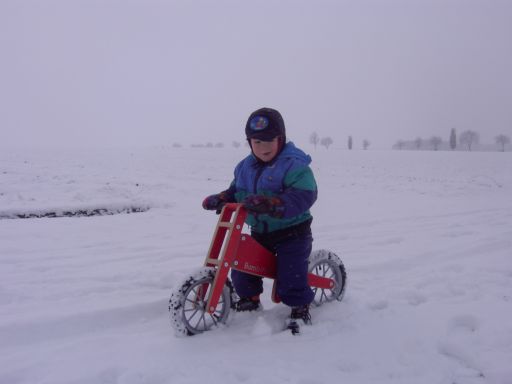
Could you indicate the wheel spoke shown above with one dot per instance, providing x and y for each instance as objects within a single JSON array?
[
  {"x": 198, "y": 322},
  {"x": 324, "y": 295},
  {"x": 217, "y": 315},
  {"x": 194, "y": 302},
  {"x": 191, "y": 316},
  {"x": 204, "y": 321},
  {"x": 195, "y": 293}
]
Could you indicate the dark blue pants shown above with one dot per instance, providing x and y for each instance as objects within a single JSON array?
[{"x": 292, "y": 273}]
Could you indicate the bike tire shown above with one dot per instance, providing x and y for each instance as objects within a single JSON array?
[
  {"x": 326, "y": 263},
  {"x": 187, "y": 309}
]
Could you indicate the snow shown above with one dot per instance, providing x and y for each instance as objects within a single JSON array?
[{"x": 426, "y": 238}]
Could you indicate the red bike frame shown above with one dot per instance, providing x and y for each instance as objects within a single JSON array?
[{"x": 230, "y": 248}]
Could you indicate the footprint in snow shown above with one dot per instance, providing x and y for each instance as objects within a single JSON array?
[
  {"x": 464, "y": 323},
  {"x": 378, "y": 305},
  {"x": 415, "y": 299}
]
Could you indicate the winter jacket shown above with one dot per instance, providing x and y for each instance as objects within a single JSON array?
[{"x": 288, "y": 176}]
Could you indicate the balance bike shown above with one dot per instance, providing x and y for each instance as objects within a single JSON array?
[{"x": 203, "y": 300}]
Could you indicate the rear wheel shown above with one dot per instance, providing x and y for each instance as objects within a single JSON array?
[
  {"x": 187, "y": 305},
  {"x": 327, "y": 264}
]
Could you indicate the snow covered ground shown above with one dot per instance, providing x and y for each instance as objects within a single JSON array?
[{"x": 426, "y": 238}]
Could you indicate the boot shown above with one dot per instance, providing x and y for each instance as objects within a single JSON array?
[
  {"x": 246, "y": 304},
  {"x": 299, "y": 316}
]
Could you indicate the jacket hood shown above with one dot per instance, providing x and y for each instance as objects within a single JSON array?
[{"x": 290, "y": 150}]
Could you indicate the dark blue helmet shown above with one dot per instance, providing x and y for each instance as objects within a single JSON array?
[{"x": 265, "y": 124}]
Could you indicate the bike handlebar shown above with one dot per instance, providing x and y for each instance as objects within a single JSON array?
[
  {"x": 233, "y": 205},
  {"x": 229, "y": 206}
]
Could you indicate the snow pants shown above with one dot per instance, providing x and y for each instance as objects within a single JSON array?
[{"x": 292, "y": 252}]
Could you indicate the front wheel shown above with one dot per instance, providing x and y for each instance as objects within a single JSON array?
[
  {"x": 187, "y": 305},
  {"x": 327, "y": 264}
]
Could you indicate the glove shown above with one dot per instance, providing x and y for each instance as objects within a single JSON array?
[
  {"x": 213, "y": 202},
  {"x": 264, "y": 205},
  {"x": 216, "y": 202}
]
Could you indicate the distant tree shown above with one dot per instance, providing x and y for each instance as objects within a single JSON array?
[
  {"x": 468, "y": 138},
  {"x": 502, "y": 140},
  {"x": 349, "y": 143},
  {"x": 209, "y": 145},
  {"x": 399, "y": 144},
  {"x": 435, "y": 142},
  {"x": 326, "y": 141},
  {"x": 219, "y": 145},
  {"x": 418, "y": 142},
  {"x": 176, "y": 145},
  {"x": 314, "y": 139},
  {"x": 453, "y": 139},
  {"x": 366, "y": 144},
  {"x": 236, "y": 144}
]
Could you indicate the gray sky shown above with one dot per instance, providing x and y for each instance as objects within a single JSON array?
[{"x": 122, "y": 72}]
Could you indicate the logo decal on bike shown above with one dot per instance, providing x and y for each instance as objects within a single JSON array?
[{"x": 254, "y": 268}]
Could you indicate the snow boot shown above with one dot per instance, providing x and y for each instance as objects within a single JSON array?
[
  {"x": 299, "y": 316},
  {"x": 247, "y": 304}
]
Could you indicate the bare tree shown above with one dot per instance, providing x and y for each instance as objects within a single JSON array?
[
  {"x": 468, "y": 138},
  {"x": 326, "y": 142},
  {"x": 418, "y": 142},
  {"x": 502, "y": 140},
  {"x": 366, "y": 144},
  {"x": 314, "y": 139},
  {"x": 349, "y": 143},
  {"x": 453, "y": 139},
  {"x": 435, "y": 142}
]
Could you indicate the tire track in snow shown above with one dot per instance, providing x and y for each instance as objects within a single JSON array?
[{"x": 47, "y": 330}]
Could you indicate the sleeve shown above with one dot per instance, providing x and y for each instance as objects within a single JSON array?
[
  {"x": 229, "y": 194},
  {"x": 300, "y": 191}
]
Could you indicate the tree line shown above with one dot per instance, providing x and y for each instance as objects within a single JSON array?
[
  {"x": 467, "y": 140},
  {"x": 327, "y": 141}
]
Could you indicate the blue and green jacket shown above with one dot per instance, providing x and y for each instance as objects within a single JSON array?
[{"x": 288, "y": 177}]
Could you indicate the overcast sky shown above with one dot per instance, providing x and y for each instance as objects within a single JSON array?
[{"x": 123, "y": 72}]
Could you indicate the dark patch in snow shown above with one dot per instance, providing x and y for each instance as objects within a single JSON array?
[{"x": 72, "y": 213}]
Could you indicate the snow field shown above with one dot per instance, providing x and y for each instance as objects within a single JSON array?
[{"x": 426, "y": 239}]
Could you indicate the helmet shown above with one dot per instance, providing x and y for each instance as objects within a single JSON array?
[{"x": 265, "y": 124}]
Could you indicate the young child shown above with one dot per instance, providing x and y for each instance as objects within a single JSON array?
[{"x": 277, "y": 187}]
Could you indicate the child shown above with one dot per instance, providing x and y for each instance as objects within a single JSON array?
[{"x": 277, "y": 187}]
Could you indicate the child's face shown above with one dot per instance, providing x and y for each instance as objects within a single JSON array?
[{"x": 265, "y": 150}]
